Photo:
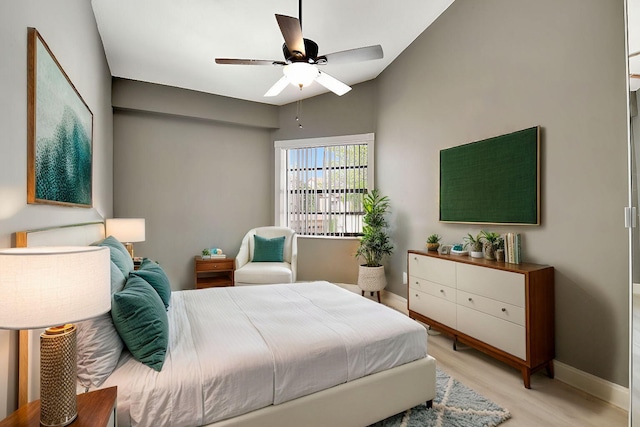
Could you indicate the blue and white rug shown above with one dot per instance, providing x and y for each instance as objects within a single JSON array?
[{"x": 455, "y": 405}]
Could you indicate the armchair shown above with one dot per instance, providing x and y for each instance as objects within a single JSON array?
[{"x": 249, "y": 272}]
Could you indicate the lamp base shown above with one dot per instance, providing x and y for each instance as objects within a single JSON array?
[
  {"x": 58, "y": 372},
  {"x": 129, "y": 247}
]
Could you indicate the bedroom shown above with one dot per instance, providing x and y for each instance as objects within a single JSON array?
[{"x": 544, "y": 65}]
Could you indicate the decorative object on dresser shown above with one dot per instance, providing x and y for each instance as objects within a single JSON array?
[
  {"x": 206, "y": 253},
  {"x": 59, "y": 132},
  {"x": 126, "y": 230},
  {"x": 506, "y": 311},
  {"x": 54, "y": 285},
  {"x": 433, "y": 242},
  {"x": 374, "y": 244},
  {"x": 95, "y": 409},
  {"x": 474, "y": 244},
  {"x": 212, "y": 272},
  {"x": 490, "y": 243}
]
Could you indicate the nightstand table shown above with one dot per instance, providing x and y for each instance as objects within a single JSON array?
[
  {"x": 95, "y": 409},
  {"x": 213, "y": 272}
]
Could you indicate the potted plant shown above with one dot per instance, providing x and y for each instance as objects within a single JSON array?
[
  {"x": 474, "y": 244},
  {"x": 374, "y": 243},
  {"x": 491, "y": 242},
  {"x": 433, "y": 242},
  {"x": 206, "y": 253}
]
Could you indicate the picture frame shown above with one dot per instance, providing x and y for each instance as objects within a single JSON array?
[{"x": 59, "y": 132}]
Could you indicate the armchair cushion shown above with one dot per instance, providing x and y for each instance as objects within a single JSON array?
[
  {"x": 268, "y": 250},
  {"x": 259, "y": 273}
]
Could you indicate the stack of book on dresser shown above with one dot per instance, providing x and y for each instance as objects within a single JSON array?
[{"x": 512, "y": 248}]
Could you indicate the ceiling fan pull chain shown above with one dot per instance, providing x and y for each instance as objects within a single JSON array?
[{"x": 299, "y": 113}]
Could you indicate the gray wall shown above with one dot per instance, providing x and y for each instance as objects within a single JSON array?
[
  {"x": 69, "y": 28},
  {"x": 496, "y": 66},
  {"x": 198, "y": 168}
]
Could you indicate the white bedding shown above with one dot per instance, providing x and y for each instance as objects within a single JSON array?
[{"x": 234, "y": 350}]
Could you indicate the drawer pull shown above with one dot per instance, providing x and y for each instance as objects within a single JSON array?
[
  {"x": 470, "y": 299},
  {"x": 417, "y": 296},
  {"x": 442, "y": 291},
  {"x": 504, "y": 310}
]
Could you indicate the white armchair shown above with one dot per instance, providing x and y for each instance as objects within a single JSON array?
[{"x": 249, "y": 272}]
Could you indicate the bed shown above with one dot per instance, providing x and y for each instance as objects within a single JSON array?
[{"x": 229, "y": 362}]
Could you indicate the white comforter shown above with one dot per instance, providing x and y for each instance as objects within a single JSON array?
[{"x": 238, "y": 349}]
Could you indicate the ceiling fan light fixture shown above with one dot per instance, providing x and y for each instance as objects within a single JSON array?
[{"x": 300, "y": 74}]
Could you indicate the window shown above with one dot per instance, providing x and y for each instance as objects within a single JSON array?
[{"x": 321, "y": 182}]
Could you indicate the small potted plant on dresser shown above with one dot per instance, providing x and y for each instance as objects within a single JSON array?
[
  {"x": 474, "y": 244},
  {"x": 491, "y": 242},
  {"x": 374, "y": 244},
  {"x": 206, "y": 253},
  {"x": 433, "y": 242}
]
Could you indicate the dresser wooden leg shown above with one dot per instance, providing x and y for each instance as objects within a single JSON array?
[
  {"x": 526, "y": 377},
  {"x": 550, "y": 372},
  {"x": 378, "y": 296}
]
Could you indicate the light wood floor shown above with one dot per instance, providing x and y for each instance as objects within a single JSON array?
[{"x": 548, "y": 402}]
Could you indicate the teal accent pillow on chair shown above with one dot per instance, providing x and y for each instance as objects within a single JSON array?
[
  {"x": 141, "y": 320},
  {"x": 268, "y": 250},
  {"x": 154, "y": 275}
]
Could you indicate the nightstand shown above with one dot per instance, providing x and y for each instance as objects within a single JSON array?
[
  {"x": 95, "y": 409},
  {"x": 213, "y": 272}
]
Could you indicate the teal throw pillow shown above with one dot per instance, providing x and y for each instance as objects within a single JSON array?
[
  {"x": 119, "y": 254},
  {"x": 154, "y": 275},
  {"x": 141, "y": 320},
  {"x": 268, "y": 250}
]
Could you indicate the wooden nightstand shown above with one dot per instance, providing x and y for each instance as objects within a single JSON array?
[
  {"x": 95, "y": 409},
  {"x": 213, "y": 272}
]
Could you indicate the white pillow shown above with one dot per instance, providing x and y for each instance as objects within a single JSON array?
[
  {"x": 99, "y": 348},
  {"x": 98, "y": 344}
]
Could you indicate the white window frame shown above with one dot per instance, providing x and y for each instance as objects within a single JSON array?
[{"x": 280, "y": 187}]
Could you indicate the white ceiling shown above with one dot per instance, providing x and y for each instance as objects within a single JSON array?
[{"x": 175, "y": 42}]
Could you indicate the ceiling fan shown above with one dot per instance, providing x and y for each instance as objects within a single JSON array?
[{"x": 301, "y": 59}]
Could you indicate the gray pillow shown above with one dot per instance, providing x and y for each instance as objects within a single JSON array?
[{"x": 99, "y": 347}]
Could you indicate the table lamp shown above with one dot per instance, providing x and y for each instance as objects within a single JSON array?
[
  {"x": 49, "y": 287},
  {"x": 126, "y": 230}
]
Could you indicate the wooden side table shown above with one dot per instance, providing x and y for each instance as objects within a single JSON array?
[
  {"x": 209, "y": 273},
  {"x": 95, "y": 409}
]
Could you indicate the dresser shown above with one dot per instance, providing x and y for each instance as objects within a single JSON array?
[{"x": 504, "y": 310}]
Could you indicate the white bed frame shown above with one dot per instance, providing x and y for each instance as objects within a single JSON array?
[{"x": 356, "y": 403}]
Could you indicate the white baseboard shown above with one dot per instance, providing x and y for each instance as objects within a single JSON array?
[
  {"x": 602, "y": 389},
  {"x": 595, "y": 386}
]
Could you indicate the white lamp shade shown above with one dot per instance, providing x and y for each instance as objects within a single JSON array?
[
  {"x": 49, "y": 286},
  {"x": 127, "y": 230},
  {"x": 300, "y": 74}
]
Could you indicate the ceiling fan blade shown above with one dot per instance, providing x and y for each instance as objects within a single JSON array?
[
  {"x": 230, "y": 61},
  {"x": 333, "y": 84},
  {"x": 292, "y": 33},
  {"x": 352, "y": 55},
  {"x": 278, "y": 87}
]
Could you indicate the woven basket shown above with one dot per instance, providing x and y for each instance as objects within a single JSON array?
[{"x": 371, "y": 279}]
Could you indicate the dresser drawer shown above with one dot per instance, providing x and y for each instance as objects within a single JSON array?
[
  {"x": 433, "y": 269},
  {"x": 498, "y": 309},
  {"x": 499, "y": 333},
  {"x": 431, "y": 288},
  {"x": 499, "y": 285},
  {"x": 438, "y": 309},
  {"x": 213, "y": 265}
]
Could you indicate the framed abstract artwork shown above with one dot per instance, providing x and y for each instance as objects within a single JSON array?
[{"x": 59, "y": 132}]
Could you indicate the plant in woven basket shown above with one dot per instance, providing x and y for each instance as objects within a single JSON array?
[
  {"x": 433, "y": 242},
  {"x": 375, "y": 242},
  {"x": 491, "y": 242}
]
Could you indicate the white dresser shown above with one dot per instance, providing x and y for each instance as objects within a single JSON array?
[{"x": 505, "y": 310}]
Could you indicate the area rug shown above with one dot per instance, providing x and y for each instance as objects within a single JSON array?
[{"x": 455, "y": 405}]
